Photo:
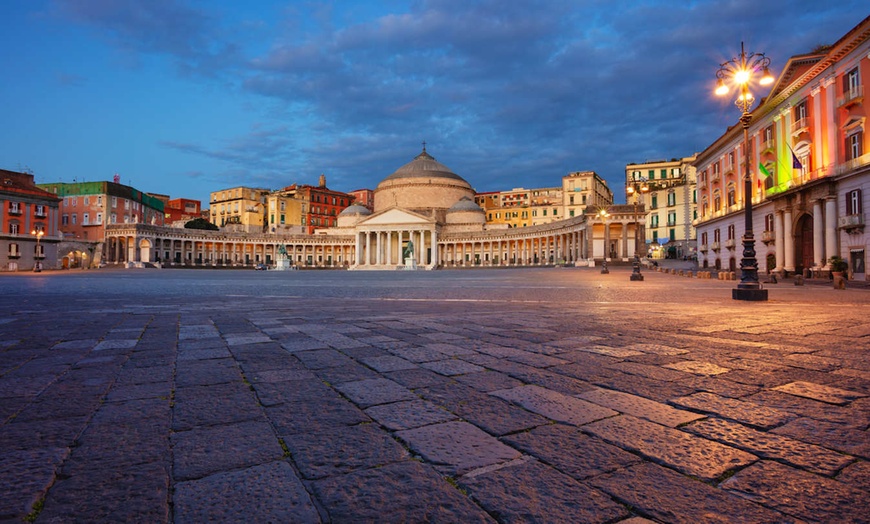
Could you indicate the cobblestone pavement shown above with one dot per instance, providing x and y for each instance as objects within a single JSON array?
[{"x": 537, "y": 395}]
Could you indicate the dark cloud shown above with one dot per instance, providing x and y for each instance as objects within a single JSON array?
[{"x": 506, "y": 93}]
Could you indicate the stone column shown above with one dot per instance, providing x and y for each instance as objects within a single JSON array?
[
  {"x": 377, "y": 248},
  {"x": 606, "y": 241},
  {"x": 818, "y": 235},
  {"x": 830, "y": 227},
  {"x": 367, "y": 256},
  {"x": 357, "y": 243},
  {"x": 788, "y": 233},
  {"x": 436, "y": 260}
]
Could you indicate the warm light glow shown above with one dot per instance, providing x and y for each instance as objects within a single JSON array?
[
  {"x": 629, "y": 190},
  {"x": 721, "y": 88},
  {"x": 746, "y": 97},
  {"x": 766, "y": 77},
  {"x": 741, "y": 77},
  {"x": 644, "y": 188}
]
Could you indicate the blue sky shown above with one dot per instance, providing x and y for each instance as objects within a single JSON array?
[{"x": 185, "y": 97}]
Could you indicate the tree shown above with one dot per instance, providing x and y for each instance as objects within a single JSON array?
[{"x": 201, "y": 223}]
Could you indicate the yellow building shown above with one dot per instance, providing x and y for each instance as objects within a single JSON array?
[
  {"x": 284, "y": 212},
  {"x": 241, "y": 209},
  {"x": 582, "y": 189}
]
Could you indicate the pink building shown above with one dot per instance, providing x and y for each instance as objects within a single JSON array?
[{"x": 810, "y": 168}]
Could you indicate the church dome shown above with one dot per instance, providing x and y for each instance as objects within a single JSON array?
[
  {"x": 424, "y": 186},
  {"x": 465, "y": 212},
  {"x": 355, "y": 209},
  {"x": 465, "y": 204}
]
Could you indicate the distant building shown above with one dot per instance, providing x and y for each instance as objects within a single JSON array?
[
  {"x": 182, "y": 210},
  {"x": 320, "y": 206},
  {"x": 363, "y": 197},
  {"x": 240, "y": 209},
  {"x": 26, "y": 210},
  {"x": 521, "y": 207},
  {"x": 669, "y": 206}
]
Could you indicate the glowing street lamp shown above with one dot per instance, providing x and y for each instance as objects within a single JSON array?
[
  {"x": 636, "y": 188},
  {"x": 602, "y": 215},
  {"x": 38, "y": 233},
  {"x": 739, "y": 71}
]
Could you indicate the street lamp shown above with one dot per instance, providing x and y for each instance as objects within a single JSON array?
[
  {"x": 602, "y": 215},
  {"x": 36, "y": 265},
  {"x": 636, "y": 188},
  {"x": 739, "y": 71}
]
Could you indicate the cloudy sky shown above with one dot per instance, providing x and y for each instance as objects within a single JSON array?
[{"x": 185, "y": 97}]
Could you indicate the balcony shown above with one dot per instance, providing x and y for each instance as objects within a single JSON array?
[
  {"x": 715, "y": 177},
  {"x": 730, "y": 243},
  {"x": 15, "y": 211},
  {"x": 768, "y": 236},
  {"x": 715, "y": 246},
  {"x": 801, "y": 125},
  {"x": 768, "y": 146},
  {"x": 854, "y": 96},
  {"x": 852, "y": 223},
  {"x": 702, "y": 248}
]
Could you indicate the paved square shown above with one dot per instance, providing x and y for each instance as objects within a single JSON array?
[{"x": 546, "y": 394}]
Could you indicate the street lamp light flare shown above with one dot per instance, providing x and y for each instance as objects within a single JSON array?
[
  {"x": 721, "y": 88},
  {"x": 766, "y": 77},
  {"x": 741, "y": 77}
]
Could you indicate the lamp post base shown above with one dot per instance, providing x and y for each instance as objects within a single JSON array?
[
  {"x": 637, "y": 277},
  {"x": 749, "y": 294}
]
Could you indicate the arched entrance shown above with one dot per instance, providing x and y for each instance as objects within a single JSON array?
[
  {"x": 804, "y": 244},
  {"x": 145, "y": 250}
]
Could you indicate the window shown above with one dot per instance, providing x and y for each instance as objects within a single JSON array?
[
  {"x": 545, "y": 212},
  {"x": 672, "y": 218},
  {"x": 282, "y": 205},
  {"x": 64, "y": 220},
  {"x": 704, "y": 237},
  {"x": 14, "y": 250},
  {"x": 99, "y": 218},
  {"x": 732, "y": 196},
  {"x": 114, "y": 218},
  {"x": 15, "y": 208},
  {"x": 74, "y": 217},
  {"x": 854, "y": 146},
  {"x": 13, "y": 228},
  {"x": 282, "y": 218},
  {"x": 654, "y": 220},
  {"x": 40, "y": 210},
  {"x": 800, "y": 114},
  {"x": 654, "y": 202},
  {"x": 663, "y": 174},
  {"x": 126, "y": 204},
  {"x": 768, "y": 222},
  {"x": 731, "y": 232},
  {"x": 672, "y": 198},
  {"x": 87, "y": 201},
  {"x": 717, "y": 202},
  {"x": 853, "y": 202},
  {"x": 852, "y": 84},
  {"x": 74, "y": 201},
  {"x": 694, "y": 196},
  {"x": 717, "y": 236},
  {"x": 99, "y": 200},
  {"x": 85, "y": 219}
]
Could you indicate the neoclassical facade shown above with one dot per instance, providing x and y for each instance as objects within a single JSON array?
[
  {"x": 423, "y": 213},
  {"x": 810, "y": 167}
]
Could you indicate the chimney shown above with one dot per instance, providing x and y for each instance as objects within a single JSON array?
[{"x": 322, "y": 182}]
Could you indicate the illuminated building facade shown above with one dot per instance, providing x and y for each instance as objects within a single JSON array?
[{"x": 810, "y": 168}]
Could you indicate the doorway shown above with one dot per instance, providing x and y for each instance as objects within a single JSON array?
[{"x": 804, "y": 244}]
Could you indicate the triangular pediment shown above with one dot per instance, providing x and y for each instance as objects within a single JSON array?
[{"x": 395, "y": 215}]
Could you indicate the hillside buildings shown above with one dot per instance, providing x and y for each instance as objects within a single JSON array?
[
  {"x": 29, "y": 233},
  {"x": 810, "y": 168}
]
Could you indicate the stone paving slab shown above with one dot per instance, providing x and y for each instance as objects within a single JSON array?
[
  {"x": 554, "y": 405},
  {"x": 640, "y": 407},
  {"x": 803, "y": 495},
  {"x": 237, "y": 497},
  {"x": 847, "y": 440},
  {"x": 734, "y": 409},
  {"x": 666, "y": 496},
  {"x": 701, "y": 458},
  {"x": 571, "y": 451},
  {"x": 392, "y": 494},
  {"x": 698, "y": 367},
  {"x": 332, "y": 451},
  {"x": 457, "y": 447},
  {"x": 820, "y": 392},
  {"x": 26, "y": 476},
  {"x": 204, "y": 451},
  {"x": 304, "y": 417},
  {"x": 771, "y": 446},
  {"x": 367, "y": 393},
  {"x": 528, "y": 491},
  {"x": 409, "y": 415}
]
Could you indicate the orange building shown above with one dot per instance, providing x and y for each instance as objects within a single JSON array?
[
  {"x": 28, "y": 224},
  {"x": 364, "y": 197}
]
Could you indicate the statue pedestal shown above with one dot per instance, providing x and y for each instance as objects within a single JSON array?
[
  {"x": 282, "y": 264},
  {"x": 410, "y": 263}
]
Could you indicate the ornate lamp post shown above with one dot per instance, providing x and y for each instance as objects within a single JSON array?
[
  {"x": 37, "y": 266},
  {"x": 739, "y": 71},
  {"x": 636, "y": 188}
]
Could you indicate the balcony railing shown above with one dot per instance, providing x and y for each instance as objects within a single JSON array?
[
  {"x": 800, "y": 125},
  {"x": 768, "y": 145},
  {"x": 714, "y": 246},
  {"x": 702, "y": 248},
  {"x": 855, "y": 95},
  {"x": 851, "y": 221},
  {"x": 730, "y": 243},
  {"x": 768, "y": 236}
]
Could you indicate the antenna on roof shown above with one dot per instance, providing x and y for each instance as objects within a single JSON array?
[{"x": 424, "y": 146}]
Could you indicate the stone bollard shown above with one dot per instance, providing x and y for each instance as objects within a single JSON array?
[
  {"x": 798, "y": 280},
  {"x": 839, "y": 282},
  {"x": 680, "y": 273}
]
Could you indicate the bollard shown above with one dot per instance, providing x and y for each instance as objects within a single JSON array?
[
  {"x": 839, "y": 282},
  {"x": 798, "y": 280}
]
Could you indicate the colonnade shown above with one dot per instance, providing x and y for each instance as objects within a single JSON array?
[
  {"x": 384, "y": 248},
  {"x": 522, "y": 250}
]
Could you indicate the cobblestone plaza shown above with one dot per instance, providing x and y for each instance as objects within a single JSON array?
[{"x": 513, "y": 395}]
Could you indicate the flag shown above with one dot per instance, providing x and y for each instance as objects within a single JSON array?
[
  {"x": 763, "y": 170},
  {"x": 795, "y": 163}
]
